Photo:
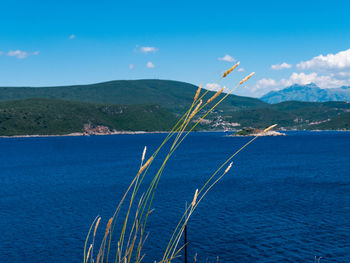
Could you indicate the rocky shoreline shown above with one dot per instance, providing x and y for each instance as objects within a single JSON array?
[
  {"x": 269, "y": 133},
  {"x": 76, "y": 134}
]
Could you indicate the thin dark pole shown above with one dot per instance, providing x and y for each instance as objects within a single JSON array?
[
  {"x": 186, "y": 243},
  {"x": 185, "y": 238}
]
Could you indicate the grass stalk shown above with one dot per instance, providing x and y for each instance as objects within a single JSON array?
[{"x": 132, "y": 233}]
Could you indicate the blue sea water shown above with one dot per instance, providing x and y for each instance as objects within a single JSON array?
[{"x": 286, "y": 199}]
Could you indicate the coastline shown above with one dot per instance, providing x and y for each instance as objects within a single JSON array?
[
  {"x": 78, "y": 134},
  {"x": 269, "y": 133}
]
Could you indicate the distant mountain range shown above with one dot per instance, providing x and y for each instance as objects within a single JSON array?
[
  {"x": 309, "y": 92},
  {"x": 151, "y": 105}
]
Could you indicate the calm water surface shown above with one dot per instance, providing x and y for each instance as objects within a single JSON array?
[{"x": 286, "y": 199}]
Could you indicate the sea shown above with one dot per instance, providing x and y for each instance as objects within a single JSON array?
[{"x": 285, "y": 199}]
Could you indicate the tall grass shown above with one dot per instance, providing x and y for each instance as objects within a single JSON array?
[{"x": 130, "y": 223}]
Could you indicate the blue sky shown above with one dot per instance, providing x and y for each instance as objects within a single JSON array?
[{"x": 75, "y": 42}]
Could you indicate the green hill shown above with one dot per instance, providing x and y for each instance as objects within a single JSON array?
[
  {"x": 295, "y": 115},
  {"x": 149, "y": 105},
  {"x": 340, "y": 122},
  {"x": 48, "y": 116},
  {"x": 173, "y": 95}
]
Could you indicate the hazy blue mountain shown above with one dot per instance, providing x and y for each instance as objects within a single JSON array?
[{"x": 309, "y": 92}]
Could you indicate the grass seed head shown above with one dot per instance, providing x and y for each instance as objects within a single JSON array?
[
  {"x": 230, "y": 70},
  {"x": 246, "y": 78},
  {"x": 216, "y": 95},
  {"x": 198, "y": 92},
  {"x": 88, "y": 254},
  {"x": 96, "y": 226},
  {"x": 194, "y": 112},
  {"x": 195, "y": 198},
  {"x": 143, "y": 167},
  {"x": 228, "y": 168},
  {"x": 270, "y": 128},
  {"x": 144, "y": 154},
  {"x": 108, "y": 226}
]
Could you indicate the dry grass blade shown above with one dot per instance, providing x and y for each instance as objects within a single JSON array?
[
  {"x": 228, "y": 168},
  {"x": 197, "y": 93},
  {"x": 143, "y": 154},
  {"x": 96, "y": 226},
  {"x": 88, "y": 254},
  {"x": 246, "y": 78},
  {"x": 216, "y": 95},
  {"x": 195, "y": 198},
  {"x": 108, "y": 226},
  {"x": 87, "y": 237},
  {"x": 98, "y": 257},
  {"x": 101, "y": 251},
  {"x": 230, "y": 70}
]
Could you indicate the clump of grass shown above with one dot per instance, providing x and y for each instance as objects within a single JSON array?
[{"x": 127, "y": 245}]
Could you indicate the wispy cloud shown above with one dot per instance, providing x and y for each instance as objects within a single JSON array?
[
  {"x": 227, "y": 58},
  {"x": 241, "y": 70},
  {"x": 212, "y": 86},
  {"x": 1, "y": 53},
  {"x": 72, "y": 36},
  {"x": 284, "y": 65},
  {"x": 338, "y": 61},
  {"x": 21, "y": 54},
  {"x": 147, "y": 50},
  {"x": 131, "y": 66},
  {"x": 150, "y": 65}
]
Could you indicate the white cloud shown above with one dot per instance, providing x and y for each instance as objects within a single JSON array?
[
  {"x": 1, "y": 53},
  {"x": 212, "y": 86},
  {"x": 227, "y": 58},
  {"x": 300, "y": 78},
  {"x": 323, "y": 81},
  {"x": 18, "y": 53},
  {"x": 72, "y": 36},
  {"x": 338, "y": 61},
  {"x": 266, "y": 82},
  {"x": 21, "y": 54},
  {"x": 326, "y": 71},
  {"x": 150, "y": 65},
  {"x": 131, "y": 66},
  {"x": 265, "y": 85},
  {"x": 342, "y": 74},
  {"x": 284, "y": 65},
  {"x": 241, "y": 70},
  {"x": 262, "y": 86},
  {"x": 148, "y": 49}
]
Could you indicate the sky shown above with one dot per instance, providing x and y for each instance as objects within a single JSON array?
[{"x": 48, "y": 43}]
